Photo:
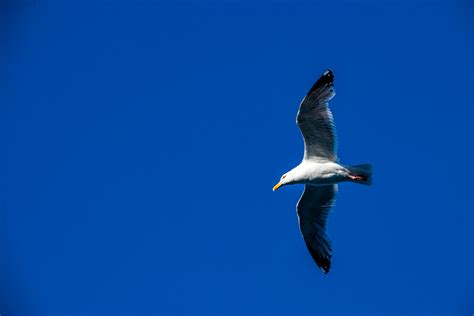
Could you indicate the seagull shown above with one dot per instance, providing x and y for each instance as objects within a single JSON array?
[{"x": 319, "y": 170}]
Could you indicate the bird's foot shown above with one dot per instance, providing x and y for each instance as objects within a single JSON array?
[{"x": 357, "y": 178}]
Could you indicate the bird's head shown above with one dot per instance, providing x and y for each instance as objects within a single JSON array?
[{"x": 285, "y": 179}]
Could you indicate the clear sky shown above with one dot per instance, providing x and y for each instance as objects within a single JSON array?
[{"x": 140, "y": 141}]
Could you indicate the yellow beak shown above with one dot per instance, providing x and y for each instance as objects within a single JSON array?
[{"x": 277, "y": 186}]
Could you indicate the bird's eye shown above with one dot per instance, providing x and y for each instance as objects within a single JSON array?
[{"x": 284, "y": 176}]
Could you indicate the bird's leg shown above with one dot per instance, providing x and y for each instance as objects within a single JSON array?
[{"x": 357, "y": 178}]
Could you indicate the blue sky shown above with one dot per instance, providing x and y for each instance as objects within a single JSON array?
[{"x": 141, "y": 139}]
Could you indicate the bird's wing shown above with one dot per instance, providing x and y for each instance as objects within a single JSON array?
[
  {"x": 315, "y": 120},
  {"x": 313, "y": 208}
]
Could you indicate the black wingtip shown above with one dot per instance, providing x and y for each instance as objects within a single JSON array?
[
  {"x": 328, "y": 73},
  {"x": 326, "y": 79},
  {"x": 326, "y": 266},
  {"x": 324, "y": 263}
]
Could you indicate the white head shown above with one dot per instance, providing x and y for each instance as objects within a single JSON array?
[{"x": 287, "y": 178}]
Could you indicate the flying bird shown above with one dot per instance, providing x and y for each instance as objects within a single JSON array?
[{"x": 320, "y": 170}]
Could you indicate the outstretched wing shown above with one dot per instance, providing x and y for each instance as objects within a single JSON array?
[
  {"x": 315, "y": 120},
  {"x": 313, "y": 209}
]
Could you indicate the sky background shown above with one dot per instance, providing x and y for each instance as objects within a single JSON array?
[{"x": 140, "y": 141}]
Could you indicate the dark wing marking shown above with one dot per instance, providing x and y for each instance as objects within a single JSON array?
[
  {"x": 316, "y": 122},
  {"x": 313, "y": 209}
]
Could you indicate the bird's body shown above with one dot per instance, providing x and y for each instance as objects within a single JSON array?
[{"x": 320, "y": 171}]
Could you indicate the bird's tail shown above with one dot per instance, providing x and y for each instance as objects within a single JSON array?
[{"x": 361, "y": 173}]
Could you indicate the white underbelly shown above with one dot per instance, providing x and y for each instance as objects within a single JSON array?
[{"x": 329, "y": 173}]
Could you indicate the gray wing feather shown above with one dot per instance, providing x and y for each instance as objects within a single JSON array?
[
  {"x": 313, "y": 209},
  {"x": 316, "y": 122}
]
